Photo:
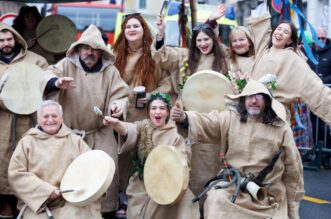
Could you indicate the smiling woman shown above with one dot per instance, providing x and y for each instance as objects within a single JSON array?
[
  {"x": 205, "y": 53},
  {"x": 137, "y": 68},
  {"x": 278, "y": 54}
]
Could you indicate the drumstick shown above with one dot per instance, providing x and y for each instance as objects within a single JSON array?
[
  {"x": 3, "y": 82},
  {"x": 71, "y": 190},
  {"x": 49, "y": 213},
  {"x": 52, "y": 27},
  {"x": 163, "y": 6},
  {"x": 97, "y": 111}
]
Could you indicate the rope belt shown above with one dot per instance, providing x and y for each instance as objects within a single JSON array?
[{"x": 83, "y": 133}]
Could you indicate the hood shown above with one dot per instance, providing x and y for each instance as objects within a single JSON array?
[
  {"x": 92, "y": 37},
  {"x": 254, "y": 87},
  {"x": 19, "y": 39},
  {"x": 37, "y": 133}
]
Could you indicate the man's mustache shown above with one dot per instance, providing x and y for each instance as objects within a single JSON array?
[
  {"x": 7, "y": 47},
  {"x": 93, "y": 57}
]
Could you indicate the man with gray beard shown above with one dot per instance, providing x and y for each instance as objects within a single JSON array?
[
  {"x": 85, "y": 79},
  {"x": 258, "y": 145}
]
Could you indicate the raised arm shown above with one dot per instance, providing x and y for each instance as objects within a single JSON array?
[
  {"x": 259, "y": 26},
  {"x": 203, "y": 127}
]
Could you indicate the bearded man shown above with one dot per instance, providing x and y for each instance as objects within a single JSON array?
[
  {"x": 13, "y": 50},
  {"x": 258, "y": 143},
  {"x": 86, "y": 78}
]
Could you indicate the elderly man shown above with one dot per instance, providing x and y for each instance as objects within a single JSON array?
[
  {"x": 253, "y": 134},
  {"x": 13, "y": 50},
  {"x": 84, "y": 79},
  {"x": 323, "y": 55},
  {"x": 39, "y": 162}
]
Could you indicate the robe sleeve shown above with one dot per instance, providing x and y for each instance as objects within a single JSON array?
[
  {"x": 53, "y": 71},
  {"x": 27, "y": 186},
  {"x": 312, "y": 92},
  {"x": 130, "y": 142},
  {"x": 208, "y": 128},
  {"x": 169, "y": 58},
  {"x": 260, "y": 29},
  {"x": 293, "y": 175},
  {"x": 119, "y": 91},
  {"x": 83, "y": 147},
  {"x": 164, "y": 84}
]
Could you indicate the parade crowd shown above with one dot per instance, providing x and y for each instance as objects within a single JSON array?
[{"x": 137, "y": 89}]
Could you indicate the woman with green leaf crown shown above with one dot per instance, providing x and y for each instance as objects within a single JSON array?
[
  {"x": 134, "y": 61},
  {"x": 140, "y": 138}
]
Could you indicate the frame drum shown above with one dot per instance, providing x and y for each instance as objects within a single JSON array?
[
  {"x": 20, "y": 92},
  {"x": 204, "y": 91},
  {"x": 89, "y": 175},
  {"x": 55, "y": 33},
  {"x": 166, "y": 175}
]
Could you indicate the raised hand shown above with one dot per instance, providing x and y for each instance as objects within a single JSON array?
[
  {"x": 160, "y": 26},
  {"x": 108, "y": 120},
  {"x": 65, "y": 83},
  {"x": 177, "y": 114},
  {"x": 218, "y": 13}
]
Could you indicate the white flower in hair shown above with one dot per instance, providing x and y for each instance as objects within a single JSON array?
[{"x": 269, "y": 80}]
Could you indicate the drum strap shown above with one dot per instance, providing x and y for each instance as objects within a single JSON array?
[{"x": 13, "y": 130}]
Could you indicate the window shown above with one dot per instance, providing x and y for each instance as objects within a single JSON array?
[
  {"x": 84, "y": 16},
  {"x": 142, "y": 4}
]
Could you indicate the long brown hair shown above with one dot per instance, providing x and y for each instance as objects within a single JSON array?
[
  {"x": 219, "y": 63},
  {"x": 144, "y": 69},
  {"x": 294, "y": 35}
]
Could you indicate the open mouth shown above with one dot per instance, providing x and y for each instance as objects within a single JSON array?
[
  {"x": 278, "y": 38},
  {"x": 158, "y": 119},
  {"x": 204, "y": 48}
]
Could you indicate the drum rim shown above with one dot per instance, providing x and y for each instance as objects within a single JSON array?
[
  {"x": 97, "y": 192},
  {"x": 22, "y": 107},
  {"x": 42, "y": 43},
  {"x": 185, "y": 92},
  {"x": 184, "y": 172}
]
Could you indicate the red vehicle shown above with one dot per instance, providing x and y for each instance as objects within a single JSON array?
[{"x": 83, "y": 14}]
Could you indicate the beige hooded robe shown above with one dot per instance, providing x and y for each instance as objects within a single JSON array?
[
  {"x": 249, "y": 147},
  {"x": 101, "y": 89},
  {"x": 140, "y": 204},
  {"x": 295, "y": 79},
  {"x": 36, "y": 170},
  {"x": 23, "y": 122},
  {"x": 162, "y": 84},
  {"x": 205, "y": 161}
]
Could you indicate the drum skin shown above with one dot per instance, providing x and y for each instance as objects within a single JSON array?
[
  {"x": 55, "y": 33},
  {"x": 166, "y": 175},
  {"x": 20, "y": 92},
  {"x": 90, "y": 174},
  {"x": 204, "y": 91}
]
